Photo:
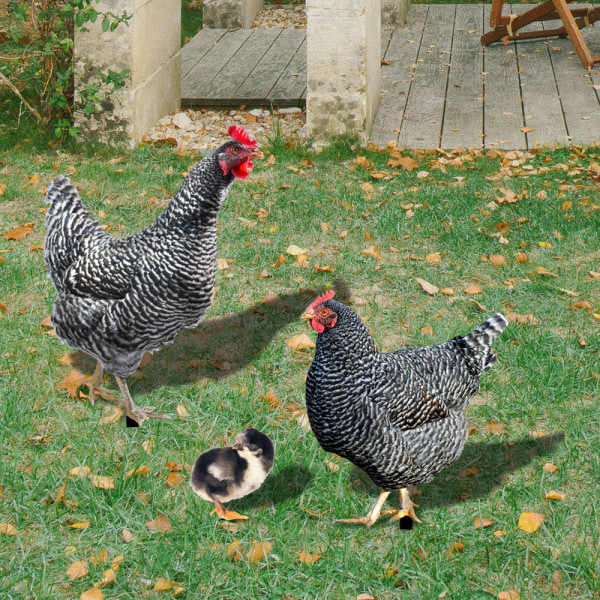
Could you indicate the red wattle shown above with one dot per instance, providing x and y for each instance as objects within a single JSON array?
[
  {"x": 318, "y": 327},
  {"x": 242, "y": 170}
]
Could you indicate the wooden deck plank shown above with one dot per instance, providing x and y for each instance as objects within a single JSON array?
[
  {"x": 194, "y": 52},
  {"x": 197, "y": 85},
  {"x": 463, "y": 113},
  {"x": 262, "y": 79},
  {"x": 402, "y": 47},
  {"x": 502, "y": 109},
  {"x": 224, "y": 86},
  {"x": 578, "y": 98},
  {"x": 424, "y": 114},
  {"x": 541, "y": 104},
  {"x": 290, "y": 89}
]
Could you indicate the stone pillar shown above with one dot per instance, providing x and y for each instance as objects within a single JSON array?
[
  {"x": 343, "y": 67},
  {"x": 149, "y": 46},
  {"x": 230, "y": 14},
  {"x": 393, "y": 12}
]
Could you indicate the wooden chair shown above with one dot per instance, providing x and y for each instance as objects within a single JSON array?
[{"x": 507, "y": 27}]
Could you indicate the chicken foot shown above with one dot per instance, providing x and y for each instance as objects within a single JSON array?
[
  {"x": 95, "y": 387},
  {"x": 406, "y": 509},
  {"x": 373, "y": 515},
  {"x": 135, "y": 413},
  {"x": 228, "y": 515}
]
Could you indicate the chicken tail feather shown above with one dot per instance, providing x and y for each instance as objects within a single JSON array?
[{"x": 481, "y": 339}]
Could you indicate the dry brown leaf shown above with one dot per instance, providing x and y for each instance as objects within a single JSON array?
[
  {"x": 60, "y": 495},
  {"x": 279, "y": 261},
  {"x": 447, "y": 291},
  {"x": 142, "y": 471},
  {"x": 182, "y": 411},
  {"x": 482, "y": 523},
  {"x": 92, "y": 594},
  {"x": 435, "y": 258},
  {"x": 457, "y": 547},
  {"x": 508, "y": 197},
  {"x": 99, "y": 558},
  {"x": 294, "y": 250},
  {"x": 333, "y": 467},
  {"x": 497, "y": 260},
  {"x": 161, "y": 523},
  {"x": 473, "y": 289},
  {"x": 8, "y": 529},
  {"x": 404, "y": 162},
  {"x": 378, "y": 174},
  {"x": 33, "y": 179},
  {"x": 259, "y": 550},
  {"x": 162, "y": 585},
  {"x": 427, "y": 330},
  {"x": 300, "y": 342},
  {"x": 581, "y": 304},
  {"x": 550, "y": 468},
  {"x": 522, "y": 258},
  {"x": 372, "y": 252},
  {"x": 2, "y": 188},
  {"x": 19, "y": 232},
  {"x": 127, "y": 536},
  {"x": 307, "y": 558},
  {"x": 234, "y": 551},
  {"x": 469, "y": 471},
  {"x": 81, "y": 472},
  {"x": 543, "y": 271},
  {"x": 102, "y": 482},
  {"x": 545, "y": 244},
  {"x": 495, "y": 428},
  {"x": 174, "y": 479},
  {"x": 554, "y": 495},
  {"x": 531, "y": 521},
  {"x": 81, "y": 525},
  {"x": 527, "y": 319},
  {"x": 429, "y": 288},
  {"x": 271, "y": 399},
  {"x": 509, "y": 594},
  {"x": 325, "y": 269},
  {"x": 114, "y": 416},
  {"x": 72, "y": 382},
  {"x": 108, "y": 577},
  {"x": 77, "y": 570},
  {"x": 222, "y": 264},
  {"x": 594, "y": 274}
]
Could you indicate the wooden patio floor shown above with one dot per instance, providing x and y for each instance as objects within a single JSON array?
[{"x": 440, "y": 87}]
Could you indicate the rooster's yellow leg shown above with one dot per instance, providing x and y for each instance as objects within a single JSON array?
[
  {"x": 96, "y": 389},
  {"x": 228, "y": 515},
  {"x": 406, "y": 509},
  {"x": 134, "y": 412},
  {"x": 373, "y": 515}
]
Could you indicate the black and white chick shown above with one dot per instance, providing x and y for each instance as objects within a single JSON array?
[{"x": 223, "y": 474}]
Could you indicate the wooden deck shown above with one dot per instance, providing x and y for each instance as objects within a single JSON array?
[
  {"x": 440, "y": 87},
  {"x": 256, "y": 67}
]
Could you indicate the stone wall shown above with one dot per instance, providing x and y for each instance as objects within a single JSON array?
[
  {"x": 149, "y": 46},
  {"x": 230, "y": 14},
  {"x": 343, "y": 67}
]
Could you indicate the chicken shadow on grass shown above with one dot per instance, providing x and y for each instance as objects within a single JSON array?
[
  {"x": 495, "y": 461},
  {"x": 219, "y": 346}
]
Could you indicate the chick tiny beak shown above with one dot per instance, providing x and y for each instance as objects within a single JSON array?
[{"x": 237, "y": 446}]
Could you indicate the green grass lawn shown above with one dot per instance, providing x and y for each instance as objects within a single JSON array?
[{"x": 440, "y": 222}]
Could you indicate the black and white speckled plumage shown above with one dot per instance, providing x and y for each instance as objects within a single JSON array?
[
  {"x": 397, "y": 416},
  {"x": 118, "y": 298}
]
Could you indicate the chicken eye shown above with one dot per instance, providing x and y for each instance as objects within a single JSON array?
[
  {"x": 324, "y": 312},
  {"x": 234, "y": 149}
]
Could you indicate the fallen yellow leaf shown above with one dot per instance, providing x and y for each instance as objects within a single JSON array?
[
  {"x": 300, "y": 342},
  {"x": 259, "y": 550},
  {"x": 554, "y": 495},
  {"x": 234, "y": 551},
  {"x": 435, "y": 257},
  {"x": 531, "y": 521},
  {"x": 429, "y": 288},
  {"x": 543, "y": 271},
  {"x": 7, "y": 529},
  {"x": 372, "y": 252},
  {"x": 109, "y": 576},
  {"x": 473, "y": 289},
  {"x": 306, "y": 558},
  {"x": 161, "y": 523},
  {"x": 19, "y": 232},
  {"x": 495, "y": 428},
  {"x": 550, "y": 468},
  {"x": 510, "y": 594},
  {"x": 497, "y": 260},
  {"x": 162, "y": 585},
  {"x": 92, "y": 594},
  {"x": 294, "y": 250},
  {"x": 100, "y": 557},
  {"x": 77, "y": 570},
  {"x": 81, "y": 525},
  {"x": 482, "y": 523}
]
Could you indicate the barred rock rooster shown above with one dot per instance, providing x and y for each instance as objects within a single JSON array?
[
  {"x": 398, "y": 416},
  {"x": 119, "y": 298}
]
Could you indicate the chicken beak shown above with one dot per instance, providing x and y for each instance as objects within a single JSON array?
[
  {"x": 237, "y": 446},
  {"x": 306, "y": 316},
  {"x": 255, "y": 155}
]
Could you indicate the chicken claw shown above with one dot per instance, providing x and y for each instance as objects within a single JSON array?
[
  {"x": 373, "y": 515},
  {"x": 406, "y": 509},
  {"x": 136, "y": 415},
  {"x": 95, "y": 387}
]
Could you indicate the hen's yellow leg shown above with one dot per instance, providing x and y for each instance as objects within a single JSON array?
[
  {"x": 406, "y": 509},
  {"x": 373, "y": 515},
  {"x": 136, "y": 413},
  {"x": 96, "y": 389}
]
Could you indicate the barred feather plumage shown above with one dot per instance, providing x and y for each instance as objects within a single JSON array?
[
  {"x": 398, "y": 415},
  {"x": 119, "y": 298}
]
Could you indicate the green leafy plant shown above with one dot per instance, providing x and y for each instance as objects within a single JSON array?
[{"x": 41, "y": 38}]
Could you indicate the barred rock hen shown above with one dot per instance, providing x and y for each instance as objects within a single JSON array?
[
  {"x": 119, "y": 298},
  {"x": 398, "y": 415}
]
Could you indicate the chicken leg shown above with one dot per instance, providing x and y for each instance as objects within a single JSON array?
[
  {"x": 228, "y": 515},
  {"x": 373, "y": 515},
  {"x": 136, "y": 415},
  {"x": 406, "y": 509},
  {"x": 96, "y": 389}
]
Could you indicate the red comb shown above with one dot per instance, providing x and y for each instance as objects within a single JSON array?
[
  {"x": 326, "y": 296},
  {"x": 239, "y": 134}
]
